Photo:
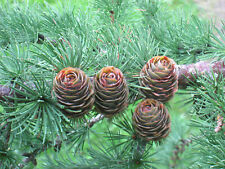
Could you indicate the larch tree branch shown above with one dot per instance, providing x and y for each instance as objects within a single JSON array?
[
  {"x": 31, "y": 157},
  {"x": 179, "y": 150},
  {"x": 94, "y": 120},
  {"x": 186, "y": 74}
]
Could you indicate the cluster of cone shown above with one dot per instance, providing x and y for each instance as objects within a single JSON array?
[
  {"x": 108, "y": 91},
  {"x": 159, "y": 81},
  {"x": 75, "y": 91}
]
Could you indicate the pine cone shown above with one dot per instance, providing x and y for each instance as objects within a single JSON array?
[
  {"x": 151, "y": 120},
  {"x": 160, "y": 76},
  {"x": 111, "y": 91},
  {"x": 74, "y": 90}
]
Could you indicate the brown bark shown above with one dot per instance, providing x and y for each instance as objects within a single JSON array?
[
  {"x": 188, "y": 73},
  {"x": 4, "y": 91}
]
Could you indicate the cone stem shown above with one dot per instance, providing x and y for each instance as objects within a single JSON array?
[
  {"x": 139, "y": 150},
  {"x": 94, "y": 120}
]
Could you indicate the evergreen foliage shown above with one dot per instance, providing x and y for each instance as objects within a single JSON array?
[{"x": 39, "y": 40}]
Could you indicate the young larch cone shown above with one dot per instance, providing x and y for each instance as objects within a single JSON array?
[
  {"x": 160, "y": 78},
  {"x": 75, "y": 91},
  {"x": 111, "y": 91},
  {"x": 151, "y": 120}
]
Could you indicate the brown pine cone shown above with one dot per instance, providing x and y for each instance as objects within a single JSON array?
[
  {"x": 111, "y": 91},
  {"x": 159, "y": 75},
  {"x": 151, "y": 120},
  {"x": 75, "y": 91}
]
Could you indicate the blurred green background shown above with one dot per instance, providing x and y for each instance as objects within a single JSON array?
[
  {"x": 185, "y": 4},
  {"x": 177, "y": 107}
]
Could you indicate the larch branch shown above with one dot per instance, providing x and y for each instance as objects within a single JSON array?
[{"x": 186, "y": 74}]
